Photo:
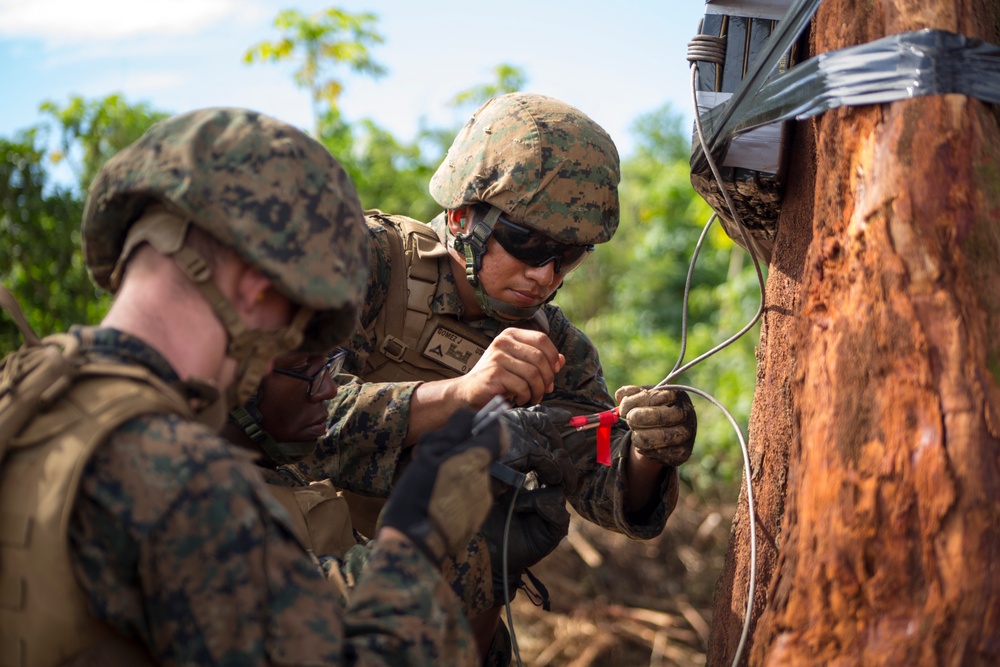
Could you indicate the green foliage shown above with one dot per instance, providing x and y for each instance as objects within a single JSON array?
[
  {"x": 40, "y": 255},
  {"x": 321, "y": 42},
  {"x": 40, "y": 259},
  {"x": 91, "y": 131},
  {"x": 628, "y": 297},
  {"x": 392, "y": 175},
  {"x": 389, "y": 175}
]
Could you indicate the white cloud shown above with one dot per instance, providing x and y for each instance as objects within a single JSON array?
[{"x": 57, "y": 20}]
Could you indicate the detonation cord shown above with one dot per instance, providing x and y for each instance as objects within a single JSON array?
[{"x": 708, "y": 50}]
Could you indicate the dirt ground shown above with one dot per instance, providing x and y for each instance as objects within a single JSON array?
[{"x": 618, "y": 602}]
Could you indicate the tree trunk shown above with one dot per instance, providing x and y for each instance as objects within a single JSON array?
[{"x": 875, "y": 435}]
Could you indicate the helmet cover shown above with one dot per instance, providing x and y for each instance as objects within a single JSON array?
[
  {"x": 259, "y": 186},
  {"x": 542, "y": 162}
]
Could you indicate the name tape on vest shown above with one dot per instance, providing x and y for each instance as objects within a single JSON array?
[{"x": 448, "y": 348}]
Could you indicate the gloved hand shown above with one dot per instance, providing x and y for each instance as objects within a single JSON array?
[
  {"x": 539, "y": 522},
  {"x": 663, "y": 422},
  {"x": 443, "y": 496},
  {"x": 534, "y": 444},
  {"x": 540, "y": 518}
]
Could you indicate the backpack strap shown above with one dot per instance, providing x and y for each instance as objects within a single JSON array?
[
  {"x": 31, "y": 379},
  {"x": 35, "y": 376}
]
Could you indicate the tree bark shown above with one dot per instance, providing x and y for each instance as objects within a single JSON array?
[{"x": 875, "y": 433}]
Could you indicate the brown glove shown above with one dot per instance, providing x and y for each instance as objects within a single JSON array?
[
  {"x": 663, "y": 422},
  {"x": 443, "y": 496}
]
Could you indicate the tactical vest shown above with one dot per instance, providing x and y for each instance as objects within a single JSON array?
[
  {"x": 45, "y": 445},
  {"x": 409, "y": 340}
]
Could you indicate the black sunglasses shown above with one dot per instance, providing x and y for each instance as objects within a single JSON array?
[
  {"x": 334, "y": 364},
  {"x": 534, "y": 249}
]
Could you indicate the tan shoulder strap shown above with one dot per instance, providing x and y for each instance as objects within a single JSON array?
[
  {"x": 107, "y": 395},
  {"x": 35, "y": 376},
  {"x": 423, "y": 251},
  {"x": 31, "y": 378},
  {"x": 414, "y": 254},
  {"x": 10, "y": 304},
  {"x": 395, "y": 300}
]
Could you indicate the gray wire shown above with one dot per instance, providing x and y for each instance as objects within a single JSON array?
[
  {"x": 753, "y": 528},
  {"x": 687, "y": 294},
  {"x": 679, "y": 368}
]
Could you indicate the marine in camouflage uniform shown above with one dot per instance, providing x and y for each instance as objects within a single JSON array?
[
  {"x": 546, "y": 176},
  {"x": 279, "y": 424},
  {"x": 155, "y": 541}
]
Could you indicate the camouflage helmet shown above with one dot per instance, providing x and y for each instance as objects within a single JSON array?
[
  {"x": 258, "y": 185},
  {"x": 542, "y": 162}
]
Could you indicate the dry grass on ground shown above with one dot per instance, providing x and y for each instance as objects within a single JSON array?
[{"x": 622, "y": 603}]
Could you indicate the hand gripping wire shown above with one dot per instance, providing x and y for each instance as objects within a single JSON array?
[{"x": 708, "y": 49}]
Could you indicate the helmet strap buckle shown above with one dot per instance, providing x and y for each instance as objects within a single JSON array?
[{"x": 473, "y": 244}]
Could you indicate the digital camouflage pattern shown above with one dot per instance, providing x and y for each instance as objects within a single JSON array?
[
  {"x": 467, "y": 573},
  {"x": 368, "y": 421},
  {"x": 258, "y": 185},
  {"x": 544, "y": 163},
  {"x": 179, "y": 546}
]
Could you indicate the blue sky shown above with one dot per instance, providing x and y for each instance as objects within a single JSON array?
[{"x": 613, "y": 60}]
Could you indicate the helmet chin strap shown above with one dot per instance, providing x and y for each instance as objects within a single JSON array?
[
  {"x": 253, "y": 350},
  {"x": 473, "y": 246},
  {"x": 250, "y": 419}
]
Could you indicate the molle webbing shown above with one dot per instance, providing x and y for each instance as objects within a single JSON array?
[
  {"x": 415, "y": 246},
  {"x": 44, "y": 615}
]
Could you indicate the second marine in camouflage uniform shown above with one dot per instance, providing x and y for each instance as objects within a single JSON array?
[{"x": 546, "y": 175}]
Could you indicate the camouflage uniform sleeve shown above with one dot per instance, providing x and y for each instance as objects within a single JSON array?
[
  {"x": 178, "y": 545},
  {"x": 367, "y": 421},
  {"x": 581, "y": 389},
  {"x": 399, "y": 578}
]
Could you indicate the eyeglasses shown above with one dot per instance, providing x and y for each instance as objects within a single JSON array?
[
  {"x": 528, "y": 246},
  {"x": 334, "y": 364}
]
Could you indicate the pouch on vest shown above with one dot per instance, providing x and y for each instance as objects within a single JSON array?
[{"x": 321, "y": 516}]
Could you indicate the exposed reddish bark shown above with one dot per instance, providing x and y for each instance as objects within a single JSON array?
[
  {"x": 876, "y": 426},
  {"x": 771, "y": 424}
]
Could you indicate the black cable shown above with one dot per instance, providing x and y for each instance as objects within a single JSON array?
[{"x": 506, "y": 580}]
